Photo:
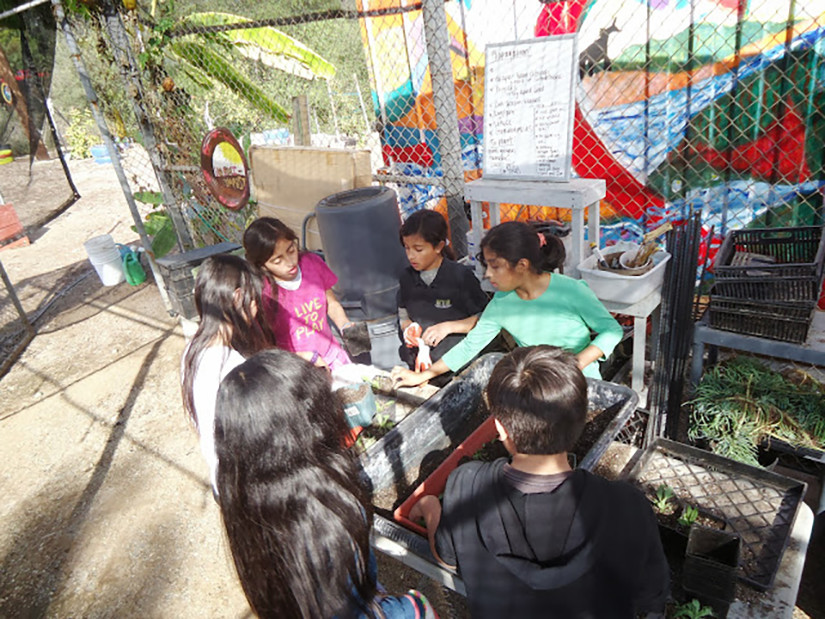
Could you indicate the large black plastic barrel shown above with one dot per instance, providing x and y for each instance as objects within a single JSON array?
[{"x": 359, "y": 232}]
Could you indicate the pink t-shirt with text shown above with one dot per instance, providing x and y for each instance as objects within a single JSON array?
[{"x": 301, "y": 322}]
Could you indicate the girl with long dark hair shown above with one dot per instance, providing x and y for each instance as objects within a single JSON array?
[
  {"x": 297, "y": 290},
  {"x": 228, "y": 299},
  {"x": 532, "y": 303},
  {"x": 296, "y": 518}
]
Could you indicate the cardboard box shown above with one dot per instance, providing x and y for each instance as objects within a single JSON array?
[{"x": 288, "y": 181}]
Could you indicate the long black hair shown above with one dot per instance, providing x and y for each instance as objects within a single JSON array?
[
  {"x": 296, "y": 518},
  {"x": 261, "y": 237},
  {"x": 516, "y": 240},
  {"x": 430, "y": 226},
  {"x": 228, "y": 300}
]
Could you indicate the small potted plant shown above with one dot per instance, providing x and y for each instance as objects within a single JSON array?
[{"x": 709, "y": 572}]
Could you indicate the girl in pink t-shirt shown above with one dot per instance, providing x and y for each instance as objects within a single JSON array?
[{"x": 297, "y": 294}]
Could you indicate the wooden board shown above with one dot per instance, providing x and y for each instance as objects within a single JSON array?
[{"x": 289, "y": 181}]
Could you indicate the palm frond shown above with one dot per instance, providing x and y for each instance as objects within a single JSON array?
[
  {"x": 267, "y": 45},
  {"x": 218, "y": 68}
]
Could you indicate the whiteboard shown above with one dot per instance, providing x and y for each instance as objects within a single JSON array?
[{"x": 528, "y": 108}]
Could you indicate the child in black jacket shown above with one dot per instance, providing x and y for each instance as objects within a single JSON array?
[{"x": 533, "y": 538}]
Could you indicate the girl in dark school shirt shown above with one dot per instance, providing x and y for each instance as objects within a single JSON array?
[{"x": 439, "y": 300}]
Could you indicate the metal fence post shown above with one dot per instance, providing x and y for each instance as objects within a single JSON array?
[
  {"x": 438, "y": 51},
  {"x": 91, "y": 96},
  {"x": 128, "y": 68}
]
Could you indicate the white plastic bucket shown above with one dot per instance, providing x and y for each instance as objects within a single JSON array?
[{"x": 105, "y": 258}]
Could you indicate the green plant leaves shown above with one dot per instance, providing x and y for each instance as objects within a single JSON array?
[
  {"x": 149, "y": 197},
  {"x": 211, "y": 63},
  {"x": 739, "y": 403},
  {"x": 163, "y": 234},
  {"x": 266, "y": 45}
]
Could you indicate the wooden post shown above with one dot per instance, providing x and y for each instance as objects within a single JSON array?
[{"x": 300, "y": 121}]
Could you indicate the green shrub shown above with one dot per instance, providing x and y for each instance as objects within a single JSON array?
[{"x": 82, "y": 133}]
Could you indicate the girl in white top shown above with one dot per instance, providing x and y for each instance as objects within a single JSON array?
[{"x": 227, "y": 297}]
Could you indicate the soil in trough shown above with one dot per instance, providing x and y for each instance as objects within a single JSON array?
[{"x": 387, "y": 500}]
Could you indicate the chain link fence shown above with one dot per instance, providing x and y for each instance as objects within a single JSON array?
[
  {"x": 15, "y": 329},
  {"x": 712, "y": 106}
]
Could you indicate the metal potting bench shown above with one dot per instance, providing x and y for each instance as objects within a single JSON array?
[{"x": 812, "y": 351}]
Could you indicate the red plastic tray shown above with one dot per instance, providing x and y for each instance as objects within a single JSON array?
[{"x": 437, "y": 481}]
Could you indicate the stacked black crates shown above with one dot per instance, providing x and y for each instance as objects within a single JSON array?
[{"x": 772, "y": 295}]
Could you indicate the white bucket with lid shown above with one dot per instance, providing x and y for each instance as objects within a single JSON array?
[{"x": 105, "y": 258}]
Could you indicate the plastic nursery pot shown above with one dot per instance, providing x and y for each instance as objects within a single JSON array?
[
  {"x": 709, "y": 572},
  {"x": 359, "y": 404}
]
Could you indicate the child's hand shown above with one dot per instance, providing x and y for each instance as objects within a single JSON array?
[
  {"x": 411, "y": 334},
  {"x": 422, "y": 359},
  {"x": 433, "y": 335},
  {"x": 428, "y": 509},
  {"x": 402, "y": 377}
]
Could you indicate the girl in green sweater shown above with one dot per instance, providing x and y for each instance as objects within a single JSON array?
[{"x": 533, "y": 304}]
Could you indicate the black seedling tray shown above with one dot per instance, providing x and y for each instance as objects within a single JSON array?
[
  {"x": 775, "y": 320},
  {"x": 796, "y": 275},
  {"x": 758, "y": 505}
]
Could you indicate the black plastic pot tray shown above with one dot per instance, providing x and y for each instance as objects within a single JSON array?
[
  {"x": 808, "y": 453},
  {"x": 759, "y": 505}
]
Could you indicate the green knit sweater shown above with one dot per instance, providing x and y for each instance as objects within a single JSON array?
[{"x": 563, "y": 316}]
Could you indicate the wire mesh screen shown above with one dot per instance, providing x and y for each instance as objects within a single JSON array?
[{"x": 35, "y": 183}]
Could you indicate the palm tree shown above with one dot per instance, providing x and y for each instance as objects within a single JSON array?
[{"x": 214, "y": 56}]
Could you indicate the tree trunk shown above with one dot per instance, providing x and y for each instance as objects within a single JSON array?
[{"x": 20, "y": 106}]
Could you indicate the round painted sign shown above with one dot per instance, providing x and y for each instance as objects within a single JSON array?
[
  {"x": 6, "y": 92},
  {"x": 225, "y": 169}
]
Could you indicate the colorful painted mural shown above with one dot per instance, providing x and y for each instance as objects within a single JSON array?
[{"x": 682, "y": 104}]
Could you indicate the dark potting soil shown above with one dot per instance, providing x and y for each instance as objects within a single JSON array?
[
  {"x": 385, "y": 501},
  {"x": 351, "y": 395},
  {"x": 376, "y": 432},
  {"x": 597, "y": 422},
  {"x": 489, "y": 452},
  {"x": 390, "y": 498}
]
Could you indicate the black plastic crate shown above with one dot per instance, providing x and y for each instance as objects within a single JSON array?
[
  {"x": 758, "y": 505},
  {"x": 796, "y": 276},
  {"x": 178, "y": 271},
  {"x": 775, "y": 320}
]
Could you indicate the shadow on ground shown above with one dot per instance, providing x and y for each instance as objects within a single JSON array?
[{"x": 50, "y": 527}]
